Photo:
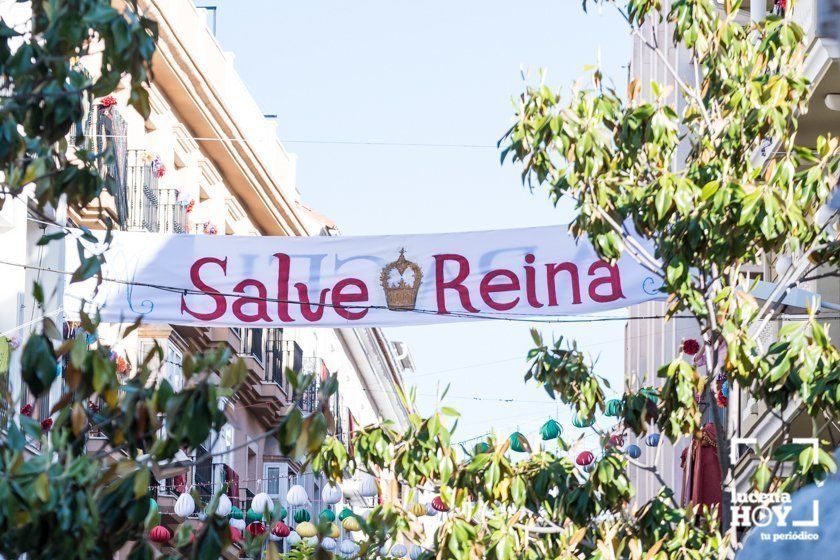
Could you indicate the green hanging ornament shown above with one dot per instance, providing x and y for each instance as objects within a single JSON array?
[
  {"x": 582, "y": 422},
  {"x": 614, "y": 407},
  {"x": 481, "y": 447},
  {"x": 345, "y": 513},
  {"x": 279, "y": 513},
  {"x": 551, "y": 430},
  {"x": 301, "y": 516},
  {"x": 327, "y": 516},
  {"x": 519, "y": 443},
  {"x": 252, "y": 517},
  {"x": 236, "y": 513},
  {"x": 153, "y": 517}
]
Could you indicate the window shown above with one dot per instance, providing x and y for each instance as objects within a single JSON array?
[
  {"x": 276, "y": 480},
  {"x": 172, "y": 370}
]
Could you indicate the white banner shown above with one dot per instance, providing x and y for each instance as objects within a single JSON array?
[{"x": 360, "y": 281}]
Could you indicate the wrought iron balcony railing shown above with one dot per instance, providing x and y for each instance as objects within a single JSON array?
[
  {"x": 173, "y": 215},
  {"x": 143, "y": 202}
]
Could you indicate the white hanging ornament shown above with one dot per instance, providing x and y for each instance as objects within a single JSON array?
[
  {"x": 312, "y": 541},
  {"x": 185, "y": 505},
  {"x": 331, "y": 494},
  {"x": 224, "y": 507},
  {"x": 398, "y": 551},
  {"x": 273, "y": 537},
  {"x": 414, "y": 552},
  {"x": 430, "y": 511},
  {"x": 347, "y": 547},
  {"x": 328, "y": 544},
  {"x": 293, "y": 539},
  {"x": 367, "y": 487},
  {"x": 296, "y": 496},
  {"x": 262, "y": 502},
  {"x": 383, "y": 550},
  {"x": 238, "y": 524}
]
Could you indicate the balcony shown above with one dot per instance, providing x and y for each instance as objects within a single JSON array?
[
  {"x": 142, "y": 187},
  {"x": 265, "y": 357},
  {"x": 173, "y": 214}
]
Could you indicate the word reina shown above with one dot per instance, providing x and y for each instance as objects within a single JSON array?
[{"x": 536, "y": 286}]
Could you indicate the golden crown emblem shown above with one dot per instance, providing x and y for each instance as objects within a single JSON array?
[{"x": 401, "y": 282}]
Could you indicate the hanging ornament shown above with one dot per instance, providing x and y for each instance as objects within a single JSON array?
[
  {"x": 345, "y": 513},
  {"x": 721, "y": 400},
  {"x": 351, "y": 524},
  {"x": 582, "y": 422},
  {"x": 262, "y": 504},
  {"x": 367, "y": 486},
  {"x": 256, "y": 528},
  {"x": 328, "y": 544},
  {"x": 652, "y": 440},
  {"x": 235, "y": 534},
  {"x": 334, "y": 532},
  {"x": 551, "y": 430},
  {"x": 273, "y": 538},
  {"x": 383, "y": 550},
  {"x": 414, "y": 552},
  {"x": 690, "y": 346},
  {"x": 296, "y": 496},
  {"x": 184, "y": 505},
  {"x": 293, "y": 539},
  {"x": 236, "y": 513},
  {"x": 327, "y": 516},
  {"x": 398, "y": 551},
  {"x": 237, "y": 524},
  {"x": 585, "y": 458},
  {"x": 481, "y": 447},
  {"x": 438, "y": 504},
  {"x": 724, "y": 389},
  {"x": 431, "y": 511},
  {"x": 301, "y": 516},
  {"x": 224, "y": 506},
  {"x": 331, "y": 494},
  {"x": 616, "y": 440},
  {"x": 347, "y": 548},
  {"x": 160, "y": 534},
  {"x": 634, "y": 451},
  {"x": 614, "y": 407},
  {"x": 281, "y": 530},
  {"x": 306, "y": 529},
  {"x": 153, "y": 516},
  {"x": 519, "y": 443},
  {"x": 589, "y": 468},
  {"x": 280, "y": 512},
  {"x": 312, "y": 541},
  {"x": 418, "y": 509},
  {"x": 252, "y": 516}
]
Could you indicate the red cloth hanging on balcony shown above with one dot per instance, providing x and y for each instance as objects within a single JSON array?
[
  {"x": 702, "y": 481},
  {"x": 179, "y": 483},
  {"x": 233, "y": 485}
]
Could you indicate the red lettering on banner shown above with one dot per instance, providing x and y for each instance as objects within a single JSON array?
[
  {"x": 454, "y": 284},
  {"x": 340, "y": 297},
  {"x": 613, "y": 280},
  {"x": 551, "y": 273},
  {"x": 487, "y": 289},
  {"x": 284, "y": 264},
  {"x": 531, "y": 283},
  {"x": 260, "y": 300},
  {"x": 211, "y": 292}
]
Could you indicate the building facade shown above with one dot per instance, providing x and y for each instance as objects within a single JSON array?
[
  {"x": 651, "y": 343},
  {"x": 206, "y": 161}
]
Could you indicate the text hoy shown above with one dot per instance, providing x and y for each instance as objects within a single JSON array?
[{"x": 499, "y": 289}]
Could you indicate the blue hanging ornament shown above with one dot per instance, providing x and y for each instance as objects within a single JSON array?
[
  {"x": 519, "y": 443},
  {"x": 652, "y": 440},
  {"x": 725, "y": 389},
  {"x": 634, "y": 451},
  {"x": 550, "y": 430}
]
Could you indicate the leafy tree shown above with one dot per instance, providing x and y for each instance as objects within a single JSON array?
[{"x": 705, "y": 219}]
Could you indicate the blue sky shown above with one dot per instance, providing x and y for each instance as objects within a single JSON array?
[{"x": 428, "y": 72}]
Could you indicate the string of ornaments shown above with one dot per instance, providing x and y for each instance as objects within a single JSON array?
[{"x": 266, "y": 516}]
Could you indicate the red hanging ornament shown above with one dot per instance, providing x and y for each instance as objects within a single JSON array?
[
  {"x": 281, "y": 530},
  {"x": 616, "y": 440},
  {"x": 721, "y": 400},
  {"x": 235, "y": 535},
  {"x": 585, "y": 458},
  {"x": 160, "y": 534},
  {"x": 190, "y": 206},
  {"x": 26, "y": 410},
  {"x": 690, "y": 346},
  {"x": 109, "y": 101},
  {"x": 46, "y": 424},
  {"x": 256, "y": 528},
  {"x": 438, "y": 505}
]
